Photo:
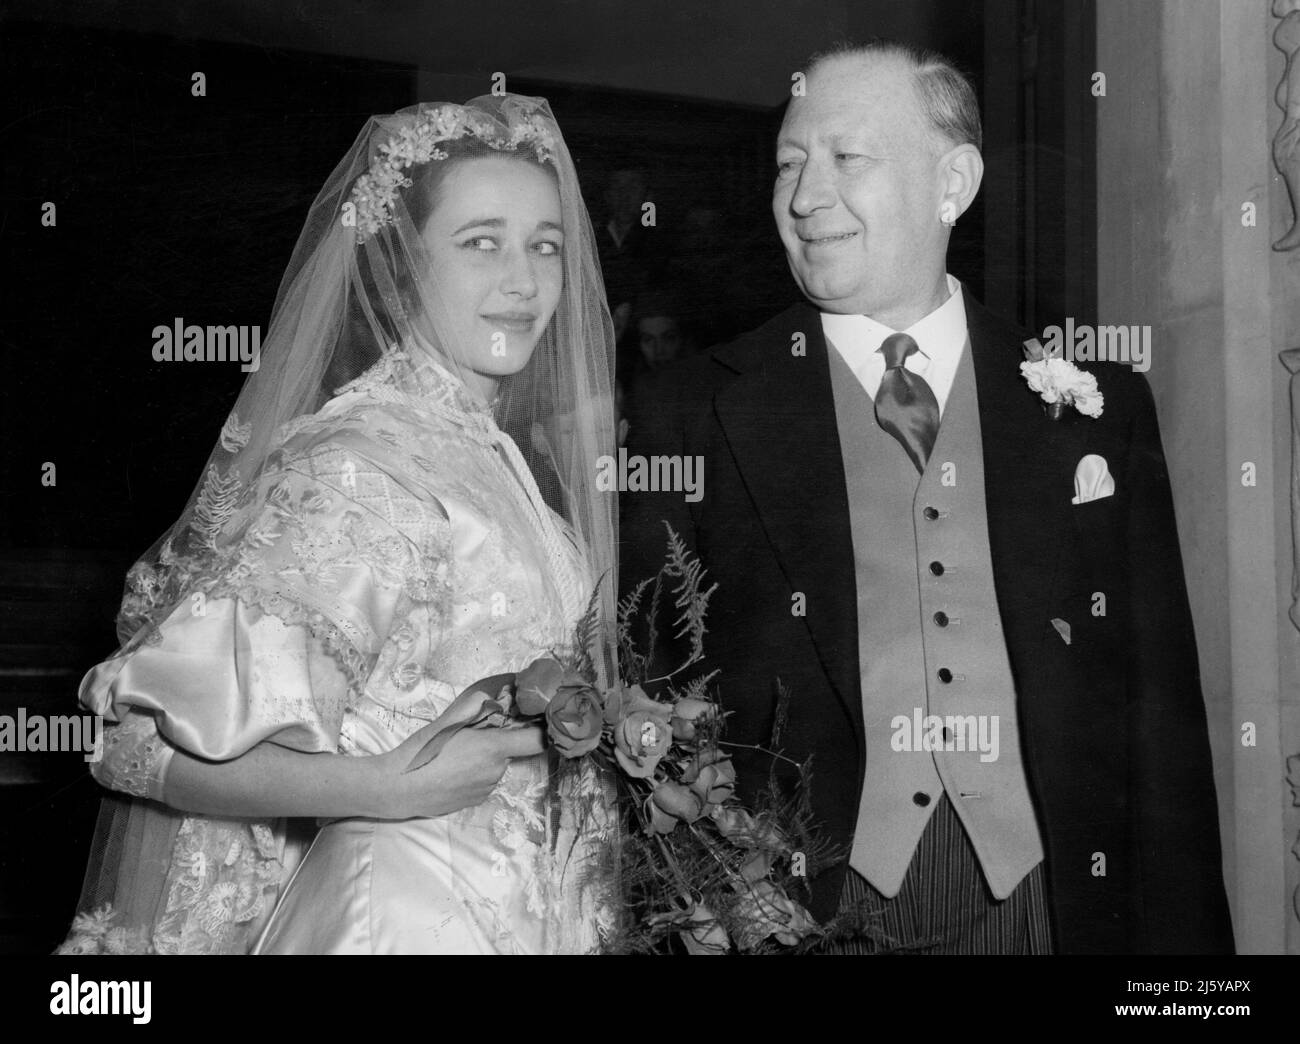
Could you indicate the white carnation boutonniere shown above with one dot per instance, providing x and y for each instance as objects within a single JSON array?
[{"x": 1059, "y": 383}]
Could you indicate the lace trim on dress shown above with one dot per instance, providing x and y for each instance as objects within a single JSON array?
[
  {"x": 341, "y": 647},
  {"x": 223, "y": 875},
  {"x": 135, "y": 757},
  {"x": 222, "y": 880}
]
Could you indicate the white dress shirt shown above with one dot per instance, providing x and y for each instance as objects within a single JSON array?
[{"x": 940, "y": 339}]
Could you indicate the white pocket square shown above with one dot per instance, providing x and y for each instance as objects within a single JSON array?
[{"x": 1092, "y": 480}]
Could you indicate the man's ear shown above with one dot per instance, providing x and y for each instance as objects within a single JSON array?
[{"x": 961, "y": 170}]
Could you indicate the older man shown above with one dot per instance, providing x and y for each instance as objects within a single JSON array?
[{"x": 979, "y": 606}]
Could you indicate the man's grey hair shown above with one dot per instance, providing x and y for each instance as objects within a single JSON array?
[{"x": 944, "y": 91}]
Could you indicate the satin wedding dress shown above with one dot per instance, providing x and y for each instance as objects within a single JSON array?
[{"x": 398, "y": 519}]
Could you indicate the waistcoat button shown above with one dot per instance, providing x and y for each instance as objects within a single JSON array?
[
  {"x": 936, "y": 568},
  {"x": 945, "y": 675},
  {"x": 921, "y": 798},
  {"x": 941, "y": 618},
  {"x": 930, "y": 513}
]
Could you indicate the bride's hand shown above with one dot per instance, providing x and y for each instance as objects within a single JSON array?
[{"x": 466, "y": 768}]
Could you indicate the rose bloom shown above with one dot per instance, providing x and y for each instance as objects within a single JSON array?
[
  {"x": 640, "y": 740},
  {"x": 733, "y": 822},
  {"x": 748, "y": 831},
  {"x": 711, "y": 776},
  {"x": 669, "y": 803},
  {"x": 536, "y": 685},
  {"x": 769, "y": 911},
  {"x": 706, "y": 937},
  {"x": 757, "y": 865},
  {"x": 690, "y": 712},
  {"x": 575, "y": 719},
  {"x": 625, "y": 701}
]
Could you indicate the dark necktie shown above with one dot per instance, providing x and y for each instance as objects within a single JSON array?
[{"x": 905, "y": 405}]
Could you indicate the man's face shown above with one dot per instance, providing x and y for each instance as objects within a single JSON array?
[
  {"x": 859, "y": 188},
  {"x": 660, "y": 339}
]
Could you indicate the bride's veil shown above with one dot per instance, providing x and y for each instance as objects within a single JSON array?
[{"x": 359, "y": 290}]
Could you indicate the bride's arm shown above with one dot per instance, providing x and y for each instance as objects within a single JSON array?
[
  {"x": 269, "y": 780},
  {"x": 273, "y": 781},
  {"x": 236, "y": 709},
  {"x": 218, "y": 756}
]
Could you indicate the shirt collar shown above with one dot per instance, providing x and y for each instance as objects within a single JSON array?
[{"x": 942, "y": 333}]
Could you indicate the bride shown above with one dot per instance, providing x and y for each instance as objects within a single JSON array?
[{"x": 400, "y": 509}]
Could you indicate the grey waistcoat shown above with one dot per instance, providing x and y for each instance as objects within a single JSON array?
[{"x": 937, "y": 692}]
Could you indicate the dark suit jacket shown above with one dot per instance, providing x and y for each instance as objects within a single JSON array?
[{"x": 1113, "y": 722}]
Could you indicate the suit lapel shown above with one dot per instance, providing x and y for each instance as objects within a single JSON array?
[
  {"x": 778, "y": 419},
  {"x": 1024, "y": 457}
]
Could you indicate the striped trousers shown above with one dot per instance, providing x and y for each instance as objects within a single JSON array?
[{"x": 944, "y": 904}]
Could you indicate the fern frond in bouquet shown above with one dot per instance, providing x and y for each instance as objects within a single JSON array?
[{"x": 697, "y": 869}]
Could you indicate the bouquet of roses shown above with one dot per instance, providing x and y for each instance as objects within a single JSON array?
[{"x": 696, "y": 864}]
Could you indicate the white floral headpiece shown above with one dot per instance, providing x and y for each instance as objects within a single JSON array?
[{"x": 376, "y": 190}]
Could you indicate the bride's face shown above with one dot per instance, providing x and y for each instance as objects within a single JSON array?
[{"x": 495, "y": 241}]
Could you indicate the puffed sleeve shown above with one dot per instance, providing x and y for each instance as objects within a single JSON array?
[
  {"x": 218, "y": 683},
  {"x": 327, "y": 554}
]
